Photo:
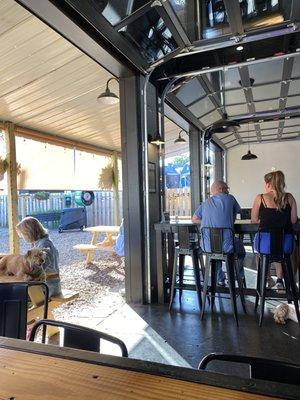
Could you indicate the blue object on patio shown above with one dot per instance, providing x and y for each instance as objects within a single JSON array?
[
  {"x": 119, "y": 246},
  {"x": 72, "y": 218}
]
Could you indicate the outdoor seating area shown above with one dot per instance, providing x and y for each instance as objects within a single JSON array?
[{"x": 149, "y": 199}]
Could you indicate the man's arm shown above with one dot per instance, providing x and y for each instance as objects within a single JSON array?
[{"x": 196, "y": 218}]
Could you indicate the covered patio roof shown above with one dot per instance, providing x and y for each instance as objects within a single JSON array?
[{"x": 50, "y": 87}]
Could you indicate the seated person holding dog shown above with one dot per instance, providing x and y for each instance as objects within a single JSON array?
[
  {"x": 32, "y": 231},
  {"x": 219, "y": 211}
]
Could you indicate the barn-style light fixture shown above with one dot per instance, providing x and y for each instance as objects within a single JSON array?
[
  {"x": 249, "y": 155},
  {"x": 108, "y": 97},
  {"x": 157, "y": 139},
  {"x": 180, "y": 139}
]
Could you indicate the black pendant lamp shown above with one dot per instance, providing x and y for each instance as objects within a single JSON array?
[
  {"x": 180, "y": 139},
  {"x": 157, "y": 139},
  {"x": 249, "y": 155},
  {"x": 108, "y": 97}
]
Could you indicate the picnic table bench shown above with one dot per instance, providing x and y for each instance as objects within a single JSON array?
[{"x": 107, "y": 244}]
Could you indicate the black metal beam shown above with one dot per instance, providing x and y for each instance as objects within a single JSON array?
[
  {"x": 168, "y": 15},
  {"x": 254, "y": 35},
  {"x": 215, "y": 60},
  {"x": 132, "y": 17},
  {"x": 233, "y": 11},
  {"x": 84, "y": 14}
]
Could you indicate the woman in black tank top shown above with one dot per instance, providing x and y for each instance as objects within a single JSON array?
[
  {"x": 275, "y": 209},
  {"x": 270, "y": 218}
]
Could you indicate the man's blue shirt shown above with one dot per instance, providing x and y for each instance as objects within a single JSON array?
[{"x": 219, "y": 211}]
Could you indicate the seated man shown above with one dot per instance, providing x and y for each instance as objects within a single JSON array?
[{"x": 219, "y": 211}]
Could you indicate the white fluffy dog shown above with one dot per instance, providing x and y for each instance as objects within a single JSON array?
[{"x": 283, "y": 312}]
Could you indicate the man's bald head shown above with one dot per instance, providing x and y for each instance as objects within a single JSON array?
[{"x": 219, "y": 187}]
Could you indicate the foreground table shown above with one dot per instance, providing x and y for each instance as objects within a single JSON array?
[{"x": 32, "y": 371}]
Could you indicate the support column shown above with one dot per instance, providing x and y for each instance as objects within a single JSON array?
[
  {"x": 12, "y": 192},
  {"x": 195, "y": 163},
  {"x": 140, "y": 273},
  {"x": 116, "y": 190}
]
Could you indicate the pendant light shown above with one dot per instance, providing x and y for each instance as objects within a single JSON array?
[
  {"x": 224, "y": 126},
  {"x": 108, "y": 98},
  {"x": 157, "y": 139},
  {"x": 180, "y": 139},
  {"x": 249, "y": 155}
]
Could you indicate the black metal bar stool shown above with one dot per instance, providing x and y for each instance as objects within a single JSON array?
[
  {"x": 187, "y": 244},
  {"x": 274, "y": 245},
  {"x": 215, "y": 251}
]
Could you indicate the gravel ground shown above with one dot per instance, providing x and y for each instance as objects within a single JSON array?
[{"x": 99, "y": 284}]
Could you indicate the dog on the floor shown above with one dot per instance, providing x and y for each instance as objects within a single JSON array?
[
  {"x": 28, "y": 267},
  {"x": 283, "y": 312}
]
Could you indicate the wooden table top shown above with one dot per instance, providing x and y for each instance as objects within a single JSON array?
[
  {"x": 31, "y": 371},
  {"x": 102, "y": 229},
  {"x": 33, "y": 376}
]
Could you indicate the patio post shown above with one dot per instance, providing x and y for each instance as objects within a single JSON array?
[
  {"x": 116, "y": 189},
  {"x": 12, "y": 191},
  {"x": 195, "y": 162}
]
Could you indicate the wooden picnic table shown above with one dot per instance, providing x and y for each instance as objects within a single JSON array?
[
  {"x": 33, "y": 371},
  {"x": 107, "y": 244}
]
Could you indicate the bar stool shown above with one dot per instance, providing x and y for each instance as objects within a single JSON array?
[
  {"x": 187, "y": 244},
  {"x": 271, "y": 244},
  {"x": 215, "y": 251}
]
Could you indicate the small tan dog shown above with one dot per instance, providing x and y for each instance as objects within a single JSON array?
[
  {"x": 283, "y": 312},
  {"x": 28, "y": 267}
]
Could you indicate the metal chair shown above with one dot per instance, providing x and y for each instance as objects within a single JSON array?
[
  {"x": 215, "y": 251},
  {"x": 14, "y": 306},
  {"x": 79, "y": 337},
  {"x": 187, "y": 244},
  {"x": 259, "y": 368},
  {"x": 272, "y": 244}
]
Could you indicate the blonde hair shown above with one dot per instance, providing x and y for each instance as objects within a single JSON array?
[
  {"x": 31, "y": 229},
  {"x": 277, "y": 181}
]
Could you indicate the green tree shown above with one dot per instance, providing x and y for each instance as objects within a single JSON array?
[{"x": 179, "y": 161}]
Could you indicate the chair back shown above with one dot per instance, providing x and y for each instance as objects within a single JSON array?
[
  {"x": 79, "y": 337},
  {"x": 260, "y": 368},
  {"x": 245, "y": 213},
  {"x": 187, "y": 236},
  {"x": 217, "y": 240},
  {"x": 13, "y": 308}
]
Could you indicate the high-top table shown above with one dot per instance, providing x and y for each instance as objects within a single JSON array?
[
  {"x": 32, "y": 371},
  {"x": 166, "y": 230}
]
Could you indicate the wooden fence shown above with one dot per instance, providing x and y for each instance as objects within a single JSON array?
[
  {"x": 178, "y": 201},
  {"x": 101, "y": 212}
]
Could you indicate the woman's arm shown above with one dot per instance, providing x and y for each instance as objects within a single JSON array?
[
  {"x": 293, "y": 205},
  {"x": 255, "y": 210}
]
